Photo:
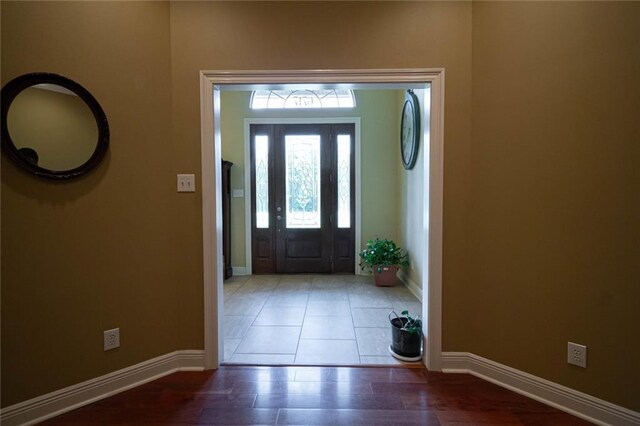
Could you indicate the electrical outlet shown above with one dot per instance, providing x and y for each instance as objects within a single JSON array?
[
  {"x": 577, "y": 354},
  {"x": 111, "y": 339},
  {"x": 186, "y": 183}
]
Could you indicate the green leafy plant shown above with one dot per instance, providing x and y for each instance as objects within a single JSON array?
[
  {"x": 412, "y": 325},
  {"x": 383, "y": 252}
]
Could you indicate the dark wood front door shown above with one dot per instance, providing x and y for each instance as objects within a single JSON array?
[{"x": 302, "y": 177}]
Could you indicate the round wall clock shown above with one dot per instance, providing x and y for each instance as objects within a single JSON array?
[{"x": 410, "y": 130}]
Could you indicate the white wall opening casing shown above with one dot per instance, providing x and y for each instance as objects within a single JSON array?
[{"x": 212, "y": 82}]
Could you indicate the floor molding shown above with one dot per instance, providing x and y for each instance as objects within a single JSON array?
[
  {"x": 61, "y": 401},
  {"x": 413, "y": 287},
  {"x": 239, "y": 271},
  {"x": 563, "y": 398}
]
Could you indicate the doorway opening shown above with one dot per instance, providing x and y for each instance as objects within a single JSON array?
[{"x": 429, "y": 233}]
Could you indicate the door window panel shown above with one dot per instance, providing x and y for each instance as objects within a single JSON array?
[
  {"x": 344, "y": 181},
  {"x": 262, "y": 180},
  {"x": 302, "y": 181}
]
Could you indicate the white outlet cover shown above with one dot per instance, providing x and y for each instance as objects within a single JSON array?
[
  {"x": 577, "y": 354},
  {"x": 186, "y": 183},
  {"x": 111, "y": 339}
]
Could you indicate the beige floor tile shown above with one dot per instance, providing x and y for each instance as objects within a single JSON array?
[
  {"x": 230, "y": 346},
  {"x": 325, "y": 308},
  {"x": 264, "y": 279},
  {"x": 270, "y": 340},
  {"x": 280, "y": 315},
  {"x": 296, "y": 278},
  {"x": 261, "y": 359},
  {"x": 370, "y": 317},
  {"x": 236, "y": 326},
  {"x": 291, "y": 300},
  {"x": 237, "y": 279},
  {"x": 243, "y": 305},
  {"x": 380, "y": 360},
  {"x": 323, "y": 352},
  {"x": 328, "y": 285},
  {"x": 370, "y": 289},
  {"x": 328, "y": 328},
  {"x": 254, "y": 287},
  {"x": 328, "y": 280},
  {"x": 373, "y": 341},
  {"x": 329, "y": 294},
  {"x": 399, "y": 293},
  {"x": 369, "y": 301},
  {"x": 231, "y": 288}
]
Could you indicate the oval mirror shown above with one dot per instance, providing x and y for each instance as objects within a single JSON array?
[{"x": 52, "y": 126}]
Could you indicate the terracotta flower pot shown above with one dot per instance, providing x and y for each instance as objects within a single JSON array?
[{"x": 385, "y": 276}]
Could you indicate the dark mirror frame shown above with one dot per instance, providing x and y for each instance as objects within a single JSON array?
[{"x": 17, "y": 85}]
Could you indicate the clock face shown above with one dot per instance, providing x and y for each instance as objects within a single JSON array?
[{"x": 409, "y": 130}]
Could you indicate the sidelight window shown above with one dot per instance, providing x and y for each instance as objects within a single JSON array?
[
  {"x": 262, "y": 180},
  {"x": 344, "y": 181}
]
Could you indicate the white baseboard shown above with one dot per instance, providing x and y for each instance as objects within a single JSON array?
[
  {"x": 239, "y": 270},
  {"x": 61, "y": 401},
  {"x": 413, "y": 287},
  {"x": 563, "y": 398}
]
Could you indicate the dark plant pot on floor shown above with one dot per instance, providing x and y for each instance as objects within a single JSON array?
[
  {"x": 385, "y": 276},
  {"x": 404, "y": 343}
]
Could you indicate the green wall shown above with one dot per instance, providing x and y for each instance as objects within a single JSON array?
[
  {"x": 411, "y": 200},
  {"x": 378, "y": 111}
]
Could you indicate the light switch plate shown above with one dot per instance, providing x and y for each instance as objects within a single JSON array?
[{"x": 186, "y": 183}]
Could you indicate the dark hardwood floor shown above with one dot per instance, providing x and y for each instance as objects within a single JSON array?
[{"x": 318, "y": 395}]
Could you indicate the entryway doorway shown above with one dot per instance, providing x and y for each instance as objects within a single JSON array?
[
  {"x": 303, "y": 203},
  {"x": 428, "y": 231}
]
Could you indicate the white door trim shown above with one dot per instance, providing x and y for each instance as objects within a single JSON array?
[
  {"x": 211, "y": 82},
  {"x": 247, "y": 175}
]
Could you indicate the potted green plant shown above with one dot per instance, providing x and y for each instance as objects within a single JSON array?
[
  {"x": 406, "y": 336},
  {"x": 384, "y": 257}
]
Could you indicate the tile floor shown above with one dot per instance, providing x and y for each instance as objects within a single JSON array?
[{"x": 311, "y": 319}]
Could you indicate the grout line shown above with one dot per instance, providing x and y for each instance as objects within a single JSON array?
[
  {"x": 277, "y": 416},
  {"x": 304, "y": 317},
  {"x": 354, "y": 332},
  {"x": 324, "y": 338}
]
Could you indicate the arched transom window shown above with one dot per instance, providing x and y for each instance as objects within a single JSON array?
[{"x": 280, "y": 99}]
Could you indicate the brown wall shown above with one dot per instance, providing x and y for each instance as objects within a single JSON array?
[
  {"x": 538, "y": 210},
  {"x": 100, "y": 252},
  {"x": 555, "y": 158}
]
